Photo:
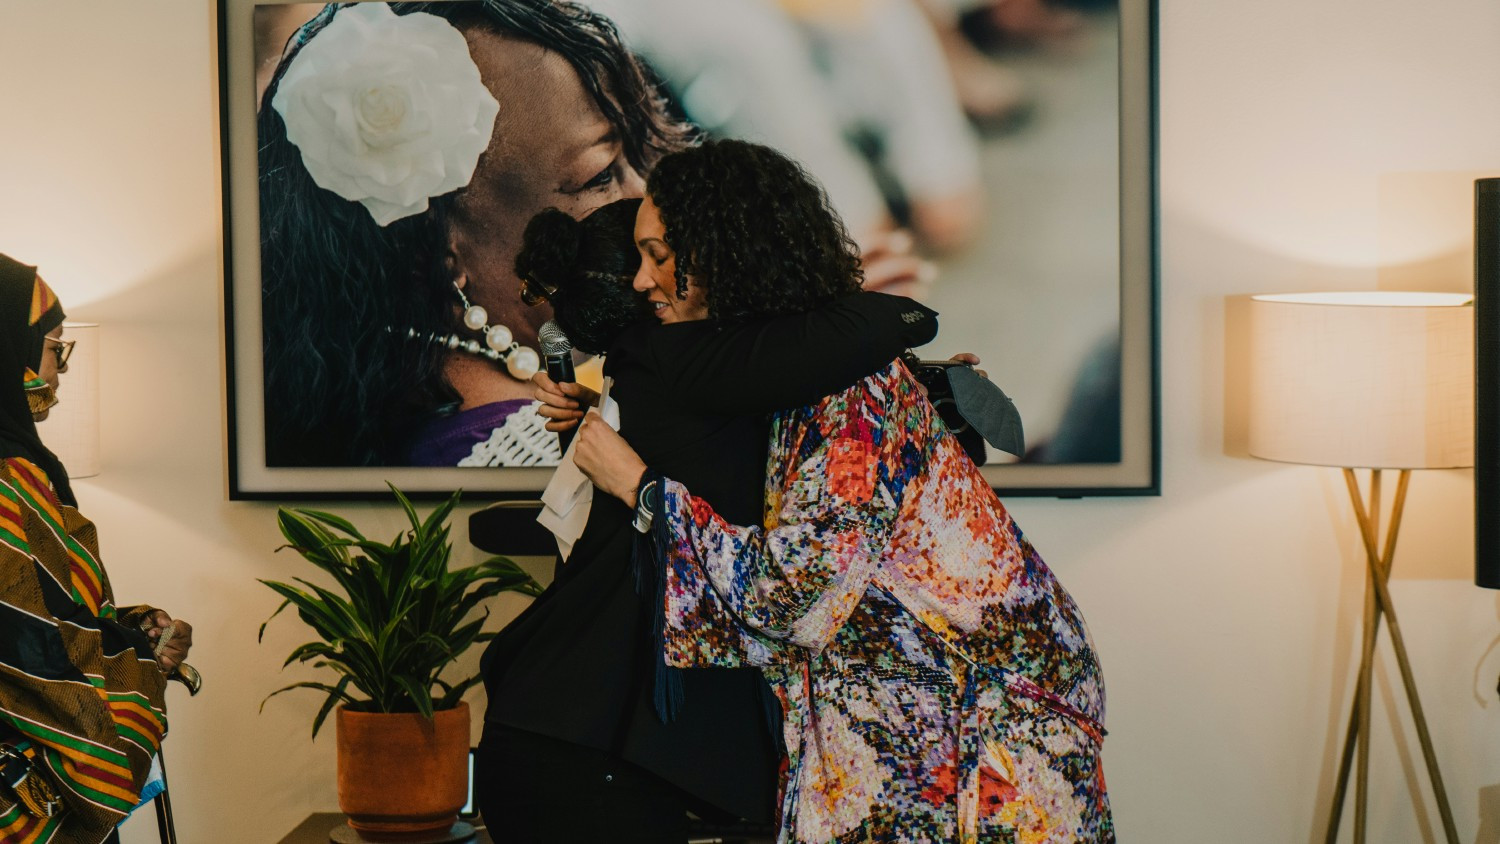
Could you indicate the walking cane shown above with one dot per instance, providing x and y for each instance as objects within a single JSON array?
[
  {"x": 188, "y": 676},
  {"x": 165, "y": 829}
]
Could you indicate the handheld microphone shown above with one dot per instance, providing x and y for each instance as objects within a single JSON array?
[{"x": 557, "y": 350}]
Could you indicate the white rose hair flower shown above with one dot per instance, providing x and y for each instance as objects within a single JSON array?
[{"x": 387, "y": 110}]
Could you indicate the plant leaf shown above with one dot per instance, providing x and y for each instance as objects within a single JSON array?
[
  {"x": 456, "y": 692},
  {"x": 328, "y": 704},
  {"x": 261, "y": 635},
  {"x": 336, "y": 522},
  {"x": 420, "y": 696},
  {"x": 307, "y": 684},
  {"x": 411, "y": 512}
]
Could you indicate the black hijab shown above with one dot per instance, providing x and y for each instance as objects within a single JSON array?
[{"x": 21, "y": 348}]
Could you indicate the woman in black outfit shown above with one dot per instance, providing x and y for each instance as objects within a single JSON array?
[{"x": 574, "y": 747}]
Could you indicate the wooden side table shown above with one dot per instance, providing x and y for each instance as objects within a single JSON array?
[{"x": 314, "y": 830}]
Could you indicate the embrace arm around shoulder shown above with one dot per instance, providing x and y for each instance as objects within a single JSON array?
[{"x": 792, "y": 361}]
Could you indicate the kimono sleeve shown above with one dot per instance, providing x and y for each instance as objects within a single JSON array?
[{"x": 797, "y": 580}]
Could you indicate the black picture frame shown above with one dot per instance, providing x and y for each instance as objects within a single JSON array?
[{"x": 1137, "y": 473}]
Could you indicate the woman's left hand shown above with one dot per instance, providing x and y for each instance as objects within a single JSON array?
[
  {"x": 972, "y": 360},
  {"x": 607, "y": 459}
]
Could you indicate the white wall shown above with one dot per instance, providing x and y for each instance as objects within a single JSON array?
[{"x": 1304, "y": 145}]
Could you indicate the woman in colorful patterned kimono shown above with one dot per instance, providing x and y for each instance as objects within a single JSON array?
[
  {"x": 573, "y": 749},
  {"x": 937, "y": 682},
  {"x": 81, "y": 708}
]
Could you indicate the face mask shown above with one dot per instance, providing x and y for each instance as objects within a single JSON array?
[{"x": 40, "y": 396}]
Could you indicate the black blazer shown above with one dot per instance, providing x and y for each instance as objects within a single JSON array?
[{"x": 694, "y": 403}]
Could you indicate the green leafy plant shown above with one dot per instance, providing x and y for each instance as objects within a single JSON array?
[{"x": 403, "y": 616}]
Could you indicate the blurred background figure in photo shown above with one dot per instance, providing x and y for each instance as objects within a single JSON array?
[
  {"x": 856, "y": 90},
  {"x": 971, "y": 146}
]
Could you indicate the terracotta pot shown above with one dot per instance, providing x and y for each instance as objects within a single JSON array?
[{"x": 401, "y": 775}]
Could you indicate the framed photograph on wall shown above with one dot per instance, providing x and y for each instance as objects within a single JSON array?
[{"x": 379, "y": 168}]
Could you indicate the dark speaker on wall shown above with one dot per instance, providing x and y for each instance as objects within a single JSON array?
[{"x": 1487, "y": 383}]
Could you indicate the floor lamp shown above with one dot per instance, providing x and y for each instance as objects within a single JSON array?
[{"x": 1379, "y": 381}]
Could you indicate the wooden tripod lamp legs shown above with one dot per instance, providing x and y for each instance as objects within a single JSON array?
[{"x": 1377, "y": 604}]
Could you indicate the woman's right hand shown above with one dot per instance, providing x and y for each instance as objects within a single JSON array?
[
  {"x": 604, "y": 456},
  {"x": 563, "y": 405}
]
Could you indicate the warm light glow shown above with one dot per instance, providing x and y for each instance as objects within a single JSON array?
[
  {"x": 1372, "y": 298},
  {"x": 1363, "y": 379}
]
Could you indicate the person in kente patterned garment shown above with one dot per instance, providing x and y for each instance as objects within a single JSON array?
[
  {"x": 937, "y": 682},
  {"x": 82, "y": 714}
]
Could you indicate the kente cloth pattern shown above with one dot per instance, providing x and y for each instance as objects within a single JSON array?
[
  {"x": 938, "y": 684},
  {"x": 77, "y": 679},
  {"x": 42, "y": 301}
]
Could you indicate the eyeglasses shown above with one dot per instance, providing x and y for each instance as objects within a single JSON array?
[
  {"x": 534, "y": 292},
  {"x": 63, "y": 350}
]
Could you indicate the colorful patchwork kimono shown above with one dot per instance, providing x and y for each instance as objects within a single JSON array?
[
  {"x": 79, "y": 689},
  {"x": 937, "y": 682}
]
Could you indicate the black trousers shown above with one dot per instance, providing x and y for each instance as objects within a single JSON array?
[{"x": 532, "y": 788}]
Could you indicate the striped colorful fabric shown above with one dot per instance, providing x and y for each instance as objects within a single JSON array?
[
  {"x": 938, "y": 684},
  {"x": 76, "y": 681},
  {"x": 42, "y": 300},
  {"x": 19, "y": 827},
  {"x": 31, "y": 381},
  {"x": 85, "y": 574}
]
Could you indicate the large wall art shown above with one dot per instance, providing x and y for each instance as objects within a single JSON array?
[{"x": 1001, "y": 171}]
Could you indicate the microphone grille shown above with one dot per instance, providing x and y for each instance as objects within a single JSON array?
[{"x": 552, "y": 339}]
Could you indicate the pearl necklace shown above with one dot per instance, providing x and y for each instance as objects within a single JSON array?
[{"x": 521, "y": 362}]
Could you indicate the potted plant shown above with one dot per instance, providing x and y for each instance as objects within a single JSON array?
[{"x": 398, "y": 617}]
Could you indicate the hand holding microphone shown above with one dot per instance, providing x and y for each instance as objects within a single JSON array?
[{"x": 562, "y": 398}]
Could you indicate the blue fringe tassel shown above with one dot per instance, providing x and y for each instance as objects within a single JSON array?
[
  {"x": 770, "y": 707},
  {"x": 650, "y": 557},
  {"x": 644, "y": 565}
]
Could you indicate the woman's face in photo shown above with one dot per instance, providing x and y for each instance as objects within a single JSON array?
[
  {"x": 657, "y": 277},
  {"x": 552, "y": 148}
]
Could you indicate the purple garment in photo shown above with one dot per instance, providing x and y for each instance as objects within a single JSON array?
[{"x": 446, "y": 440}]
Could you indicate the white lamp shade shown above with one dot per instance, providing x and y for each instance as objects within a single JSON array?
[
  {"x": 1363, "y": 380},
  {"x": 71, "y": 430}
]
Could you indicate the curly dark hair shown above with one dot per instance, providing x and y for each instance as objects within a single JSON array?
[
  {"x": 754, "y": 229},
  {"x": 586, "y": 266},
  {"x": 341, "y": 388}
]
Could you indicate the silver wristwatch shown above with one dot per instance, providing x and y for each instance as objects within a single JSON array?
[{"x": 645, "y": 505}]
